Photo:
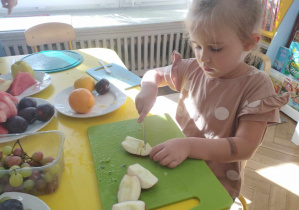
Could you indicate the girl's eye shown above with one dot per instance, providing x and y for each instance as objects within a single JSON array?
[{"x": 215, "y": 49}]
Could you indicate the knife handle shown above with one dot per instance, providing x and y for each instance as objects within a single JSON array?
[{"x": 105, "y": 67}]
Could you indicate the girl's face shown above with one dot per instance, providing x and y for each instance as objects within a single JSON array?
[{"x": 220, "y": 55}]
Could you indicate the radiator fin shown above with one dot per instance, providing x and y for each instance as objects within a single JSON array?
[{"x": 138, "y": 52}]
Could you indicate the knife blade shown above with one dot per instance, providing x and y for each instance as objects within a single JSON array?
[
  {"x": 144, "y": 140},
  {"x": 105, "y": 67}
]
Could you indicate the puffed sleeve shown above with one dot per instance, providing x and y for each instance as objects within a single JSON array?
[
  {"x": 266, "y": 109},
  {"x": 175, "y": 74}
]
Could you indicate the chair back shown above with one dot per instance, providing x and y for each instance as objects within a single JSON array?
[
  {"x": 48, "y": 33},
  {"x": 266, "y": 61}
]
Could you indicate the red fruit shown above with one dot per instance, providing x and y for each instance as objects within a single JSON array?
[
  {"x": 46, "y": 160},
  {"x": 37, "y": 156},
  {"x": 18, "y": 152},
  {"x": 4, "y": 107},
  {"x": 3, "y": 130},
  {"x": 21, "y": 82},
  {"x": 13, "y": 160}
]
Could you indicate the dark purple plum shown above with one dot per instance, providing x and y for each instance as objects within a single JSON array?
[
  {"x": 28, "y": 114},
  {"x": 44, "y": 112}
]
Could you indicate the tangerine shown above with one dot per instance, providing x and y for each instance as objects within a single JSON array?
[
  {"x": 85, "y": 82},
  {"x": 81, "y": 100}
]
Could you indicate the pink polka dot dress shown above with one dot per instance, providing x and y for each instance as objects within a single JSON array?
[{"x": 213, "y": 107}]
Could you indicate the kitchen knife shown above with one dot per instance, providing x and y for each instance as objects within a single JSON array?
[
  {"x": 105, "y": 67},
  {"x": 144, "y": 140}
]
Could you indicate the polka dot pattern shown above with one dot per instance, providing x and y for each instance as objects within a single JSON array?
[
  {"x": 254, "y": 104},
  {"x": 221, "y": 113},
  {"x": 233, "y": 175}
]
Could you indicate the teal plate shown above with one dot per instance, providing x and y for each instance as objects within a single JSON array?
[{"x": 53, "y": 60}]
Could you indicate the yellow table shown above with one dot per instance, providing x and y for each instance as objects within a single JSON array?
[{"x": 78, "y": 189}]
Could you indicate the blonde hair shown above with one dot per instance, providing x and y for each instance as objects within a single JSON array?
[{"x": 243, "y": 17}]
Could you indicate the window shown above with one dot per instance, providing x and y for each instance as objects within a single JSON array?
[{"x": 29, "y": 6}]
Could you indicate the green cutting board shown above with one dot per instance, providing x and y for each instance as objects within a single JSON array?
[{"x": 191, "y": 179}]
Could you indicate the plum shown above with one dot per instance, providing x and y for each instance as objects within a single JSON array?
[
  {"x": 44, "y": 112},
  {"x": 27, "y": 102},
  {"x": 16, "y": 124},
  {"x": 28, "y": 114},
  {"x": 12, "y": 204},
  {"x": 102, "y": 86}
]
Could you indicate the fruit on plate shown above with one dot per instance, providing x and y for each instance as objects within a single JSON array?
[
  {"x": 129, "y": 205},
  {"x": 12, "y": 204},
  {"x": 135, "y": 146},
  {"x": 5, "y": 84},
  {"x": 7, "y": 106},
  {"x": 27, "y": 102},
  {"x": 44, "y": 112},
  {"x": 21, "y": 82},
  {"x": 16, "y": 124},
  {"x": 81, "y": 100},
  {"x": 85, "y": 82},
  {"x": 146, "y": 178},
  {"x": 102, "y": 86},
  {"x": 129, "y": 189},
  {"x": 21, "y": 66}
]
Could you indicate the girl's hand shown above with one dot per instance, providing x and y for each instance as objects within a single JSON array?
[
  {"x": 171, "y": 153},
  {"x": 145, "y": 100},
  {"x": 9, "y": 4}
]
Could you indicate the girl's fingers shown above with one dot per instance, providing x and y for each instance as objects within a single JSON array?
[
  {"x": 165, "y": 161},
  {"x": 154, "y": 155},
  {"x": 173, "y": 164}
]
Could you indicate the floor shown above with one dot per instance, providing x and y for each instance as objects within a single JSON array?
[{"x": 272, "y": 174}]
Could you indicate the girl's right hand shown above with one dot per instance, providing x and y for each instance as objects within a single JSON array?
[{"x": 145, "y": 100}]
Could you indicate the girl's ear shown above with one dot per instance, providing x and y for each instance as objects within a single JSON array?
[{"x": 254, "y": 39}]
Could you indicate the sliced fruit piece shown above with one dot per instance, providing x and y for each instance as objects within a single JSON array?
[
  {"x": 3, "y": 117},
  {"x": 14, "y": 99},
  {"x": 4, "y": 107},
  {"x": 11, "y": 105},
  {"x": 21, "y": 82},
  {"x": 3, "y": 130},
  {"x": 129, "y": 205},
  {"x": 146, "y": 178},
  {"x": 5, "y": 84},
  {"x": 129, "y": 189},
  {"x": 135, "y": 146}
]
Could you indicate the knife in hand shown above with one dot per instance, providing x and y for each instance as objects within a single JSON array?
[
  {"x": 105, "y": 67},
  {"x": 144, "y": 140}
]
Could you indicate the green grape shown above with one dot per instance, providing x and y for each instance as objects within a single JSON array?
[
  {"x": 55, "y": 169},
  {"x": 48, "y": 177},
  {"x": 26, "y": 172},
  {"x": 15, "y": 180},
  {"x": 7, "y": 150},
  {"x": 2, "y": 173},
  {"x": 28, "y": 184},
  {"x": 11, "y": 169}
]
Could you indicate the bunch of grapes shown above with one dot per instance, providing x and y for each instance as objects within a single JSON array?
[{"x": 23, "y": 173}]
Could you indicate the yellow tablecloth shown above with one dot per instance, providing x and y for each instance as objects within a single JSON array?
[{"x": 78, "y": 189}]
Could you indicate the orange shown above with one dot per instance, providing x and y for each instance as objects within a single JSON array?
[
  {"x": 85, "y": 82},
  {"x": 81, "y": 100}
]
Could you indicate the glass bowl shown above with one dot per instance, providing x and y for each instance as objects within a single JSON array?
[{"x": 21, "y": 171}]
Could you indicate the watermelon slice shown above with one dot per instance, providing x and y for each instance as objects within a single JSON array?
[
  {"x": 21, "y": 82},
  {"x": 3, "y": 130},
  {"x": 2, "y": 94}
]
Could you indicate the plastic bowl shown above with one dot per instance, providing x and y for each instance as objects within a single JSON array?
[{"x": 42, "y": 176}]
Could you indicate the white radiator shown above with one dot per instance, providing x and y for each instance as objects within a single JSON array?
[{"x": 141, "y": 47}]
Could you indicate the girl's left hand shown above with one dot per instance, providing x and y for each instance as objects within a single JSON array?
[{"x": 171, "y": 153}]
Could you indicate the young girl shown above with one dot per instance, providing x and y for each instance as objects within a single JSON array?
[{"x": 225, "y": 104}]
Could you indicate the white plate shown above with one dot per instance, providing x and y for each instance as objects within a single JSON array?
[
  {"x": 43, "y": 80},
  {"x": 28, "y": 201},
  {"x": 104, "y": 104},
  {"x": 37, "y": 125}
]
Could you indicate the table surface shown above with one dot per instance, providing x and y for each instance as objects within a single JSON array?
[{"x": 78, "y": 189}]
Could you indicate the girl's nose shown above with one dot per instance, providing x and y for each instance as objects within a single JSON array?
[{"x": 204, "y": 56}]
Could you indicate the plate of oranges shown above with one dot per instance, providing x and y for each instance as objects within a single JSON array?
[{"x": 87, "y": 98}]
